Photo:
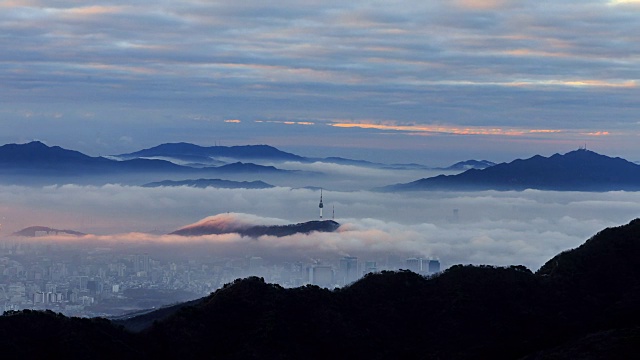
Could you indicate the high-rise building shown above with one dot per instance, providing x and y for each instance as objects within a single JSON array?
[
  {"x": 370, "y": 267},
  {"x": 434, "y": 266},
  {"x": 141, "y": 263},
  {"x": 414, "y": 264},
  {"x": 424, "y": 266},
  {"x": 49, "y": 287},
  {"x": 321, "y": 275},
  {"x": 348, "y": 270},
  {"x": 95, "y": 286}
]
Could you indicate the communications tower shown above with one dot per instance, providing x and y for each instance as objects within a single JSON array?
[{"x": 321, "y": 205}]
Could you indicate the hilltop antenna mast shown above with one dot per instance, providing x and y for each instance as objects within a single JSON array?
[
  {"x": 321, "y": 205},
  {"x": 333, "y": 212}
]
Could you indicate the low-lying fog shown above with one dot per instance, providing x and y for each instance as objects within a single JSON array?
[
  {"x": 496, "y": 228},
  {"x": 341, "y": 177},
  {"x": 338, "y": 177}
]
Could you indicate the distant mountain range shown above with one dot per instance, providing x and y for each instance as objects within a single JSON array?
[
  {"x": 196, "y": 155},
  {"x": 215, "y": 227},
  {"x": 207, "y": 154},
  {"x": 36, "y": 157},
  {"x": 34, "y": 231},
  {"x": 216, "y": 183},
  {"x": 582, "y": 304},
  {"x": 37, "y": 162},
  {"x": 579, "y": 170}
]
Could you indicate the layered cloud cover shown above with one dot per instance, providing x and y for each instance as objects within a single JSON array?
[
  {"x": 499, "y": 228},
  {"x": 501, "y": 75}
]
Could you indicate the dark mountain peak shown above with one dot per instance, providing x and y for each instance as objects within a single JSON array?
[
  {"x": 190, "y": 151},
  {"x": 34, "y": 231},
  {"x": 45, "y": 164},
  {"x": 592, "y": 156},
  {"x": 584, "y": 159},
  {"x": 36, "y": 152},
  {"x": 574, "y": 155},
  {"x": 186, "y": 147},
  {"x": 181, "y": 147},
  {"x": 534, "y": 157},
  {"x": 578, "y": 154},
  {"x": 34, "y": 144},
  {"x": 582, "y": 152}
]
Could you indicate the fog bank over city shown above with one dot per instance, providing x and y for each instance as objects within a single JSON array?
[{"x": 496, "y": 228}]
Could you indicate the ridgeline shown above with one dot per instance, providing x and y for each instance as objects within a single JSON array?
[{"x": 579, "y": 170}]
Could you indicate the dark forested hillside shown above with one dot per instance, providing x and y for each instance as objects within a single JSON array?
[
  {"x": 46, "y": 335},
  {"x": 582, "y": 304}
]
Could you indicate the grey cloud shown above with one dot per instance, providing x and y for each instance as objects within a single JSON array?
[{"x": 328, "y": 60}]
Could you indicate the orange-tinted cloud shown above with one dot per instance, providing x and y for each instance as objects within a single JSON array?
[
  {"x": 287, "y": 122},
  {"x": 536, "y": 53},
  {"x": 435, "y": 129},
  {"x": 481, "y": 4},
  {"x": 545, "y": 131},
  {"x": 597, "y": 133},
  {"x": 93, "y": 10},
  {"x": 594, "y": 83}
]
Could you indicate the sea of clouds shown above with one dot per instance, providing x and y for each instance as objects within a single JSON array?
[{"x": 490, "y": 227}]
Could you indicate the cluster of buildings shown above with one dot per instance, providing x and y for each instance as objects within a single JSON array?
[
  {"x": 348, "y": 269},
  {"x": 93, "y": 281}
]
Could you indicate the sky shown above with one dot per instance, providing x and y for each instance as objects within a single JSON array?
[{"x": 396, "y": 81}]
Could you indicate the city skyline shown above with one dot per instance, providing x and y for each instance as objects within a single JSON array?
[{"x": 97, "y": 279}]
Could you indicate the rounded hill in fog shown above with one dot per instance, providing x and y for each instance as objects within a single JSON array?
[{"x": 247, "y": 225}]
